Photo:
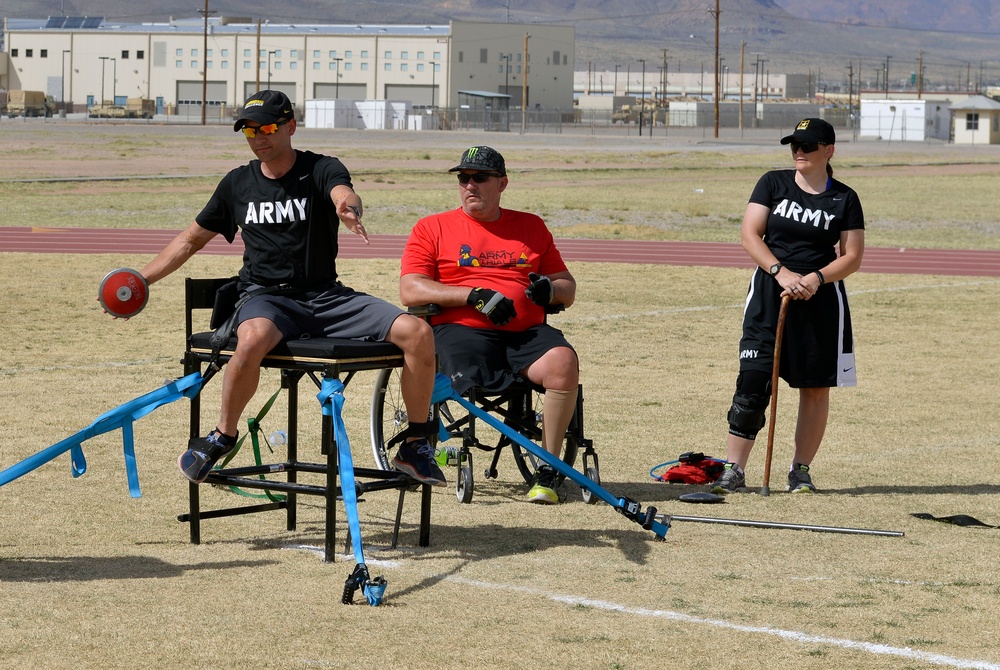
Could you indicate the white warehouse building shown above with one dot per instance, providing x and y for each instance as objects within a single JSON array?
[{"x": 86, "y": 60}]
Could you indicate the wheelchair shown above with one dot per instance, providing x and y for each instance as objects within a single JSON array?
[{"x": 519, "y": 406}]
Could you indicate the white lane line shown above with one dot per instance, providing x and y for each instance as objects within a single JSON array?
[{"x": 790, "y": 635}]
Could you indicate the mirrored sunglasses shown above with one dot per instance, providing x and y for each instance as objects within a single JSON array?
[{"x": 269, "y": 129}]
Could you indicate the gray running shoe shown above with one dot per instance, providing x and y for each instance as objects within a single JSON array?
[
  {"x": 730, "y": 481},
  {"x": 799, "y": 480}
]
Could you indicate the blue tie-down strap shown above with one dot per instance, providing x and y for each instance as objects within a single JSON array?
[
  {"x": 121, "y": 417},
  {"x": 331, "y": 400},
  {"x": 626, "y": 506}
]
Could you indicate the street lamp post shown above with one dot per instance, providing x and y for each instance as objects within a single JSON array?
[
  {"x": 433, "y": 82},
  {"x": 718, "y": 63},
  {"x": 104, "y": 61},
  {"x": 616, "y": 80},
  {"x": 336, "y": 90},
  {"x": 63, "y": 94},
  {"x": 506, "y": 72},
  {"x": 114, "y": 79}
]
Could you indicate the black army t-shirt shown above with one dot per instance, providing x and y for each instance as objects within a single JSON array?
[
  {"x": 289, "y": 225},
  {"x": 803, "y": 229}
]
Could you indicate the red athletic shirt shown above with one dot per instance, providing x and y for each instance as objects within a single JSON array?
[{"x": 457, "y": 250}]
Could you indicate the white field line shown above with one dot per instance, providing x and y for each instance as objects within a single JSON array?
[
  {"x": 789, "y": 635},
  {"x": 709, "y": 308}
]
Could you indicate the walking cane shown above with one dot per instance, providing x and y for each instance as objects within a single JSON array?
[{"x": 765, "y": 490}]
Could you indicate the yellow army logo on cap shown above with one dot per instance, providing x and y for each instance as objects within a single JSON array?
[{"x": 803, "y": 125}]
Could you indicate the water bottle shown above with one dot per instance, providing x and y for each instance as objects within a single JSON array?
[
  {"x": 446, "y": 456},
  {"x": 278, "y": 438}
]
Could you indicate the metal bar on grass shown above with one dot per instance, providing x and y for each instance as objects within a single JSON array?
[{"x": 787, "y": 526}]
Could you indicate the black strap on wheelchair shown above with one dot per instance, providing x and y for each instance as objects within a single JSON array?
[{"x": 429, "y": 429}]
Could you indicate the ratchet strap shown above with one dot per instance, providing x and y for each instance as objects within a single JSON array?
[
  {"x": 331, "y": 399},
  {"x": 121, "y": 417}
]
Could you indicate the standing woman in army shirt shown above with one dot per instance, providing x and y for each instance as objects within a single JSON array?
[{"x": 794, "y": 226}]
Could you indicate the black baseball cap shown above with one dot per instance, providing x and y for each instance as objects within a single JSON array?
[
  {"x": 812, "y": 130},
  {"x": 484, "y": 159},
  {"x": 265, "y": 107}
]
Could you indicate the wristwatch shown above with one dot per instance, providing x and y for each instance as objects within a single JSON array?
[{"x": 775, "y": 269}]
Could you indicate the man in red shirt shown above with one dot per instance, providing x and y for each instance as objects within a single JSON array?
[{"x": 494, "y": 271}]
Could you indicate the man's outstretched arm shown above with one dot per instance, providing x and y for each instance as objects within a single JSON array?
[{"x": 187, "y": 243}]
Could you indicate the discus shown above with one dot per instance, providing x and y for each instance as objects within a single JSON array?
[{"x": 123, "y": 293}]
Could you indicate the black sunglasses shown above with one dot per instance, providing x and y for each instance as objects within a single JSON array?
[
  {"x": 478, "y": 177},
  {"x": 806, "y": 147}
]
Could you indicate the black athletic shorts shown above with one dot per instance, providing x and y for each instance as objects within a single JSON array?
[
  {"x": 486, "y": 358},
  {"x": 817, "y": 349},
  {"x": 339, "y": 311}
]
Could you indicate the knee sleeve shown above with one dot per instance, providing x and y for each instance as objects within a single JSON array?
[{"x": 746, "y": 415}]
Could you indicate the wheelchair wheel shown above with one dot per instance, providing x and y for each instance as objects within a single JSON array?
[
  {"x": 464, "y": 484},
  {"x": 587, "y": 494},
  {"x": 388, "y": 415}
]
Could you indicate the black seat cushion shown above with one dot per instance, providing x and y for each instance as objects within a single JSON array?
[{"x": 313, "y": 348}]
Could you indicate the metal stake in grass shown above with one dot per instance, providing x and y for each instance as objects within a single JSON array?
[{"x": 765, "y": 490}]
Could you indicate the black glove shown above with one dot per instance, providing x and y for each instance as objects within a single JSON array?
[
  {"x": 496, "y": 306},
  {"x": 540, "y": 289}
]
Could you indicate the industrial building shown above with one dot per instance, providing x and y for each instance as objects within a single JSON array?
[{"x": 86, "y": 60}]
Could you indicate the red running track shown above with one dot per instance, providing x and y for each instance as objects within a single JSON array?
[{"x": 712, "y": 254}]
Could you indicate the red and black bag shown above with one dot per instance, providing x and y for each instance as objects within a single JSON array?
[{"x": 693, "y": 467}]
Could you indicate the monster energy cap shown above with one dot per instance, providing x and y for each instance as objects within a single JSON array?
[
  {"x": 483, "y": 159},
  {"x": 265, "y": 107}
]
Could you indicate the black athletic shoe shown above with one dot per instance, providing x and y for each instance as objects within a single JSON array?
[
  {"x": 203, "y": 453},
  {"x": 416, "y": 459},
  {"x": 799, "y": 480},
  {"x": 543, "y": 486},
  {"x": 730, "y": 481}
]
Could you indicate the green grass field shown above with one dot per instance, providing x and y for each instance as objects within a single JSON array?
[{"x": 93, "y": 578}]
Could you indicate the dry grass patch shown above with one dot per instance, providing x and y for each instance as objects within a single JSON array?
[{"x": 87, "y": 572}]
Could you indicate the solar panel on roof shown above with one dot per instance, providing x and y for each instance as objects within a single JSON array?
[
  {"x": 93, "y": 22},
  {"x": 73, "y": 21},
  {"x": 55, "y": 22}
]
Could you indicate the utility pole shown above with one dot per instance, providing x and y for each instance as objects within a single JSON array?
[
  {"x": 256, "y": 56},
  {"x": 850, "y": 92},
  {"x": 524, "y": 86},
  {"x": 920, "y": 75},
  {"x": 886, "y": 77},
  {"x": 204, "y": 63},
  {"x": 642, "y": 95},
  {"x": 743, "y": 48},
  {"x": 715, "y": 15}
]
